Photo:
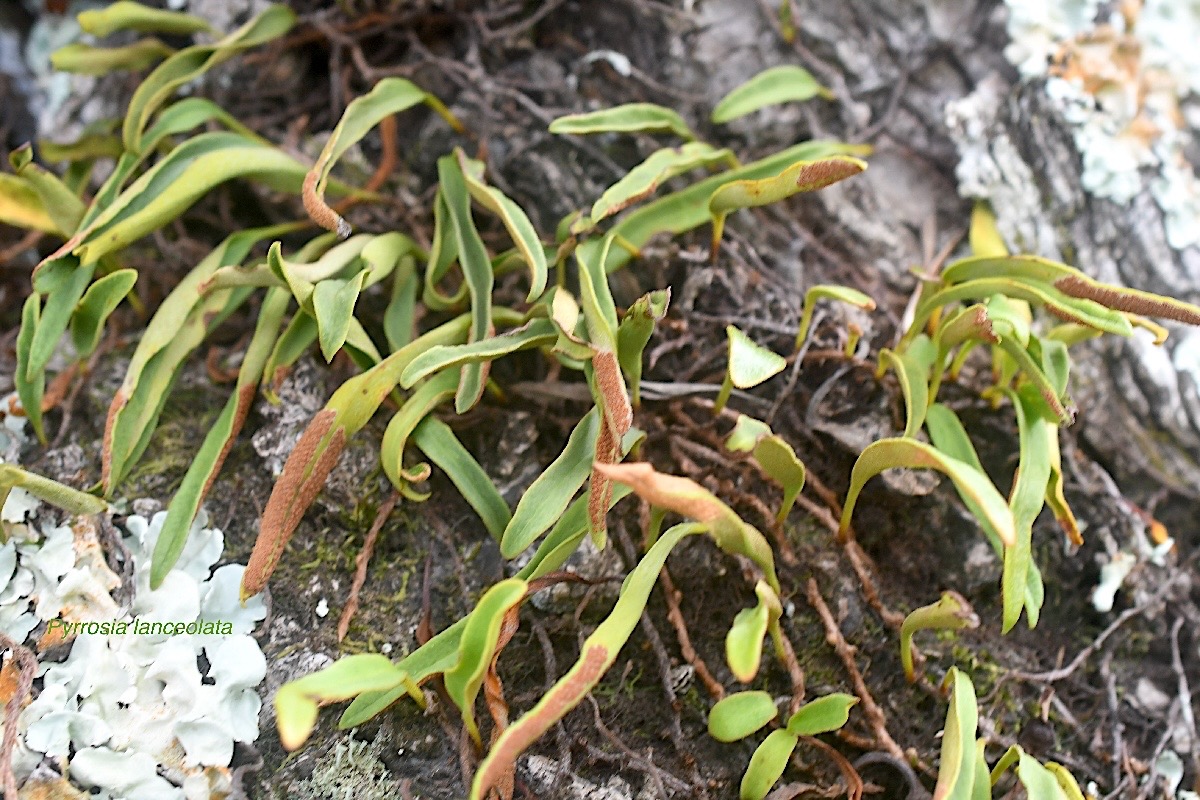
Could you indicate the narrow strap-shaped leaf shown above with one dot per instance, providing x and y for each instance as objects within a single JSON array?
[
  {"x": 628, "y": 118},
  {"x": 477, "y": 272},
  {"x": 783, "y": 84},
  {"x": 124, "y": 15},
  {"x": 1017, "y": 267},
  {"x": 192, "y": 62},
  {"x": 56, "y": 494},
  {"x": 515, "y": 221},
  {"x": 478, "y": 647},
  {"x": 62, "y": 204},
  {"x": 296, "y": 702},
  {"x": 56, "y": 314},
  {"x": 687, "y": 209},
  {"x": 437, "y": 440},
  {"x": 30, "y": 389},
  {"x": 1035, "y": 426},
  {"x": 803, "y": 176},
  {"x": 550, "y": 493},
  {"x": 84, "y": 59},
  {"x": 22, "y": 206},
  {"x": 207, "y": 463},
  {"x": 389, "y": 96},
  {"x": 973, "y": 485},
  {"x": 597, "y": 655},
  {"x": 94, "y": 309},
  {"x": 535, "y": 333},
  {"x": 912, "y": 371},
  {"x": 399, "y": 318},
  {"x": 660, "y": 166},
  {"x": 956, "y": 772}
]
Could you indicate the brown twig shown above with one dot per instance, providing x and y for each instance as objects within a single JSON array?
[
  {"x": 362, "y": 561},
  {"x": 846, "y": 652},
  {"x": 27, "y": 664},
  {"x": 854, "y": 782}
]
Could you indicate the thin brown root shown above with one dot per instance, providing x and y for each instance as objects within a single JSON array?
[
  {"x": 362, "y": 561},
  {"x": 846, "y": 652}
]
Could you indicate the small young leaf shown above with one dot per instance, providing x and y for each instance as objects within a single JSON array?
[
  {"x": 634, "y": 333},
  {"x": 822, "y": 715},
  {"x": 843, "y": 294},
  {"x": 749, "y": 365},
  {"x": 84, "y": 59},
  {"x": 739, "y": 715},
  {"x": 536, "y": 333},
  {"x": 744, "y": 642},
  {"x": 98, "y": 302},
  {"x": 30, "y": 390},
  {"x": 972, "y": 484},
  {"x": 124, "y": 15},
  {"x": 774, "y": 456},
  {"x": 984, "y": 236},
  {"x": 951, "y": 612},
  {"x": 333, "y": 306},
  {"x": 1066, "y": 781},
  {"x": 767, "y": 764},
  {"x": 770, "y": 87},
  {"x": 912, "y": 368},
  {"x": 1039, "y": 782},
  {"x": 956, "y": 773},
  {"x": 478, "y": 647},
  {"x": 803, "y": 176},
  {"x": 628, "y": 118}
]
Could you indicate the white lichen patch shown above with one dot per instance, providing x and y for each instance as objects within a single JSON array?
[
  {"x": 1121, "y": 80},
  {"x": 132, "y": 714}
]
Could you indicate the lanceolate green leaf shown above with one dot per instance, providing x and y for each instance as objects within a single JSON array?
[
  {"x": 770, "y": 87},
  {"x": 519, "y": 228},
  {"x": 477, "y": 271},
  {"x": 644, "y": 179},
  {"x": 296, "y": 702},
  {"x": 1036, "y": 427},
  {"x": 949, "y": 436},
  {"x": 598, "y": 654},
  {"x": 88, "y": 60},
  {"x": 822, "y": 715},
  {"x": 437, "y": 440},
  {"x": 912, "y": 371},
  {"x": 55, "y": 316},
  {"x": 971, "y": 483},
  {"x": 739, "y": 715},
  {"x": 628, "y": 118},
  {"x": 207, "y": 463},
  {"x": 30, "y": 390},
  {"x": 536, "y": 333},
  {"x": 478, "y": 647},
  {"x": 802, "y": 176},
  {"x": 124, "y": 15},
  {"x": 389, "y": 96},
  {"x": 687, "y": 209},
  {"x": 551, "y": 492},
  {"x": 192, "y": 62},
  {"x": 98, "y": 302}
]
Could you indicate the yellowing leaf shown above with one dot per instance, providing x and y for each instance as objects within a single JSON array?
[
  {"x": 87, "y": 60},
  {"x": 628, "y": 118},
  {"x": 644, "y": 179},
  {"x": 124, "y": 15}
]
